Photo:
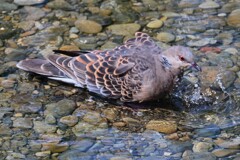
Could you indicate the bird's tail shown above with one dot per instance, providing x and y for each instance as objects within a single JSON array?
[{"x": 40, "y": 66}]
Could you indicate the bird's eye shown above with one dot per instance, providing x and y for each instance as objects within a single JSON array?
[{"x": 181, "y": 58}]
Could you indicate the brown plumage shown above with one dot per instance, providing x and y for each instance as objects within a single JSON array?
[{"x": 136, "y": 71}]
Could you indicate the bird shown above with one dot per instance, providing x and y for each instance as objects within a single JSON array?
[{"x": 137, "y": 71}]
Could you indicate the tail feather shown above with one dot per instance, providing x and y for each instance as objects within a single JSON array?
[{"x": 40, "y": 66}]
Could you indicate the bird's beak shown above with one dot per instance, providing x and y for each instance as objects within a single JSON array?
[{"x": 194, "y": 65}]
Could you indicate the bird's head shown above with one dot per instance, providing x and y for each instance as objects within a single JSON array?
[{"x": 180, "y": 58}]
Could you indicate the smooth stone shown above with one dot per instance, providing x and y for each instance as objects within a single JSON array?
[
  {"x": 23, "y": 123},
  {"x": 82, "y": 128},
  {"x": 28, "y": 2},
  {"x": 201, "y": 42},
  {"x": 5, "y": 6},
  {"x": 225, "y": 79},
  {"x": 171, "y": 14},
  {"x": 34, "y": 13},
  {"x": 31, "y": 107},
  {"x": 43, "y": 127},
  {"x": 200, "y": 156},
  {"x": 7, "y": 31},
  {"x": 5, "y": 130},
  {"x": 110, "y": 114},
  {"x": 8, "y": 83},
  {"x": 202, "y": 147},
  {"x": 224, "y": 152},
  {"x": 86, "y": 43},
  {"x": 233, "y": 51},
  {"x": 13, "y": 54},
  {"x": 151, "y": 4},
  {"x": 209, "y": 5},
  {"x": 50, "y": 119},
  {"x": 88, "y": 26},
  {"x": 83, "y": 145},
  {"x": 26, "y": 25},
  {"x": 43, "y": 154},
  {"x": 55, "y": 147},
  {"x": 208, "y": 131},
  {"x": 189, "y": 3},
  {"x": 63, "y": 107},
  {"x": 60, "y": 4},
  {"x": 93, "y": 118},
  {"x": 155, "y": 24},
  {"x": 234, "y": 18},
  {"x": 124, "y": 29},
  {"x": 228, "y": 144},
  {"x": 165, "y": 37},
  {"x": 109, "y": 45},
  {"x": 69, "y": 48},
  {"x": 162, "y": 126},
  {"x": 14, "y": 155},
  {"x": 69, "y": 120}
]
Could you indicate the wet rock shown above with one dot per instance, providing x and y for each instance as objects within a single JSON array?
[
  {"x": 26, "y": 25},
  {"x": 31, "y": 107},
  {"x": 69, "y": 48},
  {"x": 165, "y": 37},
  {"x": 124, "y": 29},
  {"x": 42, "y": 127},
  {"x": 69, "y": 120},
  {"x": 224, "y": 152},
  {"x": 92, "y": 118},
  {"x": 224, "y": 79},
  {"x": 208, "y": 131},
  {"x": 26, "y": 87},
  {"x": 109, "y": 45},
  {"x": 151, "y": 4},
  {"x": 229, "y": 144},
  {"x": 86, "y": 43},
  {"x": 209, "y": 74},
  {"x": 171, "y": 14},
  {"x": 8, "y": 83},
  {"x": 202, "y": 42},
  {"x": 55, "y": 147},
  {"x": 88, "y": 26},
  {"x": 229, "y": 7},
  {"x": 162, "y": 126},
  {"x": 110, "y": 114},
  {"x": 7, "y": 31},
  {"x": 199, "y": 156},
  {"x": 50, "y": 119},
  {"x": 82, "y": 128},
  {"x": 155, "y": 24},
  {"x": 34, "y": 13},
  {"x": 83, "y": 145},
  {"x": 189, "y": 3},
  {"x": 5, "y": 6},
  {"x": 123, "y": 14},
  {"x": 61, "y": 108},
  {"x": 28, "y": 2},
  {"x": 202, "y": 147},
  {"x": 60, "y": 4},
  {"x": 234, "y": 19},
  {"x": 43, "y": 154},
  {"x": 225, "y": 37},
  {"x": 15, "y": 54},
  {"x": 209, "y": 5},
  {"x": 5, "y": 130},
  {"x": 23, "y": 123},
  {"x": 14, "y": 155}
]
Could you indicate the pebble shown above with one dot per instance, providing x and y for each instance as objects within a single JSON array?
[
  {"x": 28, "y": 2},
  {"x": 60, "y": 4},
  {"x": 23, "y": 123},
  {"x": 55, "y": 147},
  {"x": 5, "y": 6},
  {"x": 189, "y": 3},
  {"x": 124, "y": 29},
  {"x": 88, "y": 26},
  {"x": 229, "y": 143},
  {"x": 63, "y": 107},
  {"x": 162, "y": 126},
  {"x": 209, "y": 5},
  {"x": 234, "y": 19},
  {"x": 42, "y": 127},
  {"x": 208, "y": 131},
  {"x": 92, "y": 118},
  {"x": 202, "y": 147},
  {"x": 224, "y": 152},
  {"x": 43, "y": 154},
  {"x": 202, "y": 42},
  {"x": 69, "y": 120},
  {"x": 155, "y": 24},
  {"x": 34, "y": 13},
  {"x": 165, "y": 37}
]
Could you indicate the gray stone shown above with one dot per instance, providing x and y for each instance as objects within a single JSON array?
[
  {"x": 92, "y": 118},
  {"x": 34, "y": 13},
  {"x": 124, "y": 29},
  {"x": 26, "y": 25},
  {"x": 61, "y": 108},
  {"x": 209, "y": 5},
  {"x": 86, "y": 43},
  {"x": 60, "y": 4},
  {"x": 165, "y": 37},
  {"x": 82, "y": 128},
  {"x": 200, "y": 156},
  {"x": 234, "y": 19},
  {"x": 202, "y": 42},
  {"x": 83, "y": 145},
  {"x": 28, "y": 2},
  {"x": 23, "y": 123},
  {"x": 208, "y": 131},
  {"x": 202, "y": 147},
  {"x": 88, "y": 26},
  {"x": 69, "y": 120},
  {"x": 5, "y": 6},
  {"x": 5, "y": 130},
  {"x": 31, "y": 107},
  {"x": 189, "y": 3},
  {"x": 42, "y": 127},
  {"x": 225, "y": 79},
  {"x": 15, "y": 54}
]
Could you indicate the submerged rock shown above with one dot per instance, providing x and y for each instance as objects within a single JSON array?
[
  {"x": 162, "y": 126},
  {"x": 234, "y": 18}
]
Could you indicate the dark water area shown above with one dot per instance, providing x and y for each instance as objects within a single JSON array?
[{"x": 45, "y": 119}]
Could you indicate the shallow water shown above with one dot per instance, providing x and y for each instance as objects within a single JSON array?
[{"x": 45, "y": 119}]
